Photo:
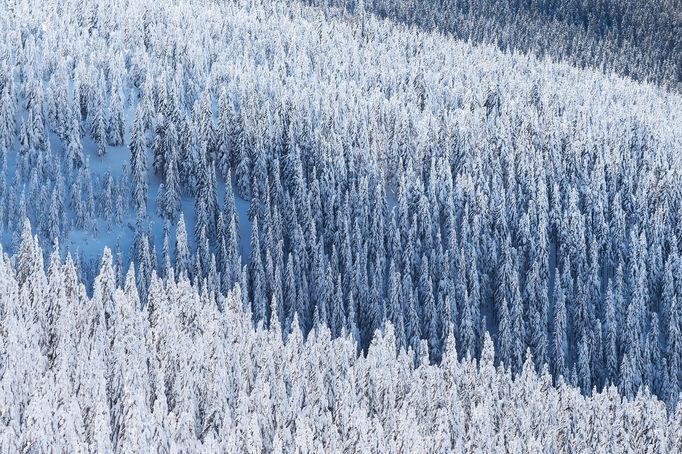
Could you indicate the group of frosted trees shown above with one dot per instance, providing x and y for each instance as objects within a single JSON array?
[
  {"x": 635, "y": 38},
  {"x": 448, "y": 189},
  {"x": 186, "y": 372}
]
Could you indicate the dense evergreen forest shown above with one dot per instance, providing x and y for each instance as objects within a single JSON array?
[
  {"x": 187, "y": 372},
  {"x": 640, "y": 39},
  {"x": 280, "y": 169}
]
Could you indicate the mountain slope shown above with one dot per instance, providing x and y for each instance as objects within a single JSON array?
[{"x": 392, "y": 174}]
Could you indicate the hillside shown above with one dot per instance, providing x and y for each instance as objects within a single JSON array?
[{"x": 355, "y": 170}]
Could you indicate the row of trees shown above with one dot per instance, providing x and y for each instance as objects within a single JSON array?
[
  {"x": 186, "y": 372},
  {"x": 413, "y": 179}
]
